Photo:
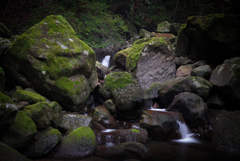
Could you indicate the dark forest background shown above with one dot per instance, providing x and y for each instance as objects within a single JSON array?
[{"x": 91, "y": 17}]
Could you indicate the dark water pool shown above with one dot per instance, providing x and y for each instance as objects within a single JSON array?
[{"x": 166, "y": 150}]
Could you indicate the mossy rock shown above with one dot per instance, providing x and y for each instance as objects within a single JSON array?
[
  {"x": 152, "y": 91},
  {"x": 110, "y": 106},
  {"x": 57, "y": 114},
  {"x": 79, "y": 143},
  {"x": 2, "y": 79},
  {"x": 121, "y": 58},
  {"x": 164, "y": 27},
  {"x": 22, "y": 132},
  {"x": 30, "y": 97},
  {"x": 144, "y": 33},
  {"x": 48, "y": 54},
  {"x": 4, "y": 31},
  {"x": 43, "y": 113},
  {"x": 44, "y": 144},
  {"x": 10, "y": 154}
]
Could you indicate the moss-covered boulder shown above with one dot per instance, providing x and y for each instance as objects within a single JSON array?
[
  {"x": 160, "y": 124},
  {"x": 225, "y": 78},
  {"x": 121, "y": 58},
  {"x": 164, "y": 27},
  {"x": 43, "y": 114},
  {"x": 197, "y": 85},
  {"x": 127, "y": 94},
  {"x": 8, "y": 111},
  {"x": 9, "y": 154},
  {"x": 103, "y": 117},
  {"x": 57, "y": 114},
  {"x": 51, "y": 58},
  {"x": 4, "y": 31},
  {"x": 213, "y": 37},
  {"x": 70, "y": 122},
  {"x": 151, "y": 60},
  {"x": 30, "y": 97},
  {"x": 2, "y": 79},
  {"x": 204, "y": 71},
  {"x": 144, "y": 33},
  {"x": 110, "y": 106},
  {"x": 79, "y": 143},
  {"x": 46, "y": 141},
  {"x": 152, "y": 91},
  {"x": 22, "y": 132},
  {"x": 226, "y": 132}
]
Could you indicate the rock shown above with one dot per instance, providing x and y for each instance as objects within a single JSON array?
[
  {"x": 110, "y": 106},
  {"x": 104, "y": 92},
  {"x": 184, "y": 71},
  {"x": 215, "y": 102},
  {"x": 103, "y": 117},
  {"x": 175, "y": 27},
  {"x": 10, "y": 154},
  {"x": 164, "y": 27},
  {"x": 212, "y": 114},
  {"x": 191, "y": 106},
  {"x": 225, "y": 79},
  {"x": 226, "y": 133},
  {"x": 182, "y": 61},
  {"x": 57, "y": 111},
  {"x": 93, "y": 80},
  {"x": 44, "y": 144},
  {"x": 127, "y": 94},
  {"x": 210, "y": 37},
  {"x": 30, "y": 97},
  {"x": 79, "y": 143},
  {"x": 202, "y": 71},
  {"x": 199, "y": 63},
  {"x": 151, "y": 60},
  {"x": 43, "y": 114},
  {"x": 128, "y": 149},
  {"x": 8, "y": 111},
  {"x": 152, "y": 91},
  {"x": 197, "y": 85},
  {"x": 55, "y": 65},
  {"x": 22, "y": 132},
  {"x": 70, "y": 122},
  {"x": 2, "y": 79},
  {"x": 121, "y": 58},
  {"x": 101, "y": 70},
  {"x": 144, "y": 33},
  {"x": 160, "y": 124}
]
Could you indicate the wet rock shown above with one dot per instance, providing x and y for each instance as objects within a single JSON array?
[
  {"x": 79, "y": 143},
  {"x": 197, "y": 85},
  {"x": 8, "y": 111},
  {"x": 103, "y": 117},
  {"x": 132, "y": 135},
  {"x": 226, "y": 132},
  {"x": 212, "y": 114},
  {"x": 182, "y": 61},
  {"x": 191, "y": 106},
  {"x": 45, "y": 143},
  {"x": 151, "y": 60},
  {"x": 128, "y": 149},
  {"x": 225, "y": 79},
  {"x": 110, "y": 106},
  {"x": 70, "y": 122},
  {"x": 202, "y": 71},
  {"x": 55, "y": 65},
  {"x": 22, "y": 132},
  {"x": 10, "y": 154},
  {"x": 184, "y": 71},
  {"x": 160, "y": 124},
  {"x": 30, "y": 97},
  {"x": 152, "y": 91}
]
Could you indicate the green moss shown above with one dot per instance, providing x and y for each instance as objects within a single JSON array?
[
  {"x": 124, "y": 52},
  {"x": 153, "y": 87},
  {"x": 135, "y": 130},
  {"x": 118, "y": 80},
  {"x": 137, "y": 48},
  {"x": 183, "y": 26},
  {"x": 4, "y": 99},
  {"x": 30, "y": 97}
]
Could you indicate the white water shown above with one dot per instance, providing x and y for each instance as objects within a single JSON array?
[
  {"x": 106, "y": 60},
  {"x": 186, "y": 136},
  {"x": 108, "y": 130},
  {"x": 158, "y": 109}
]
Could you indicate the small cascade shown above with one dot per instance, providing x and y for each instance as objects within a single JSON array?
[
  {"x": 106, "y": 60},
  {"x": 186, "y": 135},
  {"x": 158, "y": 109}
]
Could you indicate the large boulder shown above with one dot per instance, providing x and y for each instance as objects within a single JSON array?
[
  {"x": 226, "y": 132},
  {"x": 22, "y": 132},
  {"x": 127, "y": 94},
  {"x": 71, "y": 122},
  {"x": 79, "y": 143},
  {"x": 121, "y": 58},
  {"x": 213, "y": 37},
  {"x": 9, "y": 154},
  {"x": 197, "y": 85},
  {"x": 225, "y": 79},
  {"x": 8, "y": 111},
  {"x": 110, "y": 106},
  {"x": 160, "y": 124},
  {"x": 191, "y": 106},
  {"x": 25, "y": 96},
  {"x": 46, "y": 141},
  {"x": 151, "y": 60},
  {"x": 202, "y": 71},
  {"x": 51, "y": 58},
  {"x": 42, "y": 114}
]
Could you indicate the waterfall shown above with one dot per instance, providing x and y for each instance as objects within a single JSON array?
[
  {"x": 186, "y": 135},
  {"x": 106, "y": 60}
]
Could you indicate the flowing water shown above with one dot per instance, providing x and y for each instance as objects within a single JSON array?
[{"x": 106, "y": 60}]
